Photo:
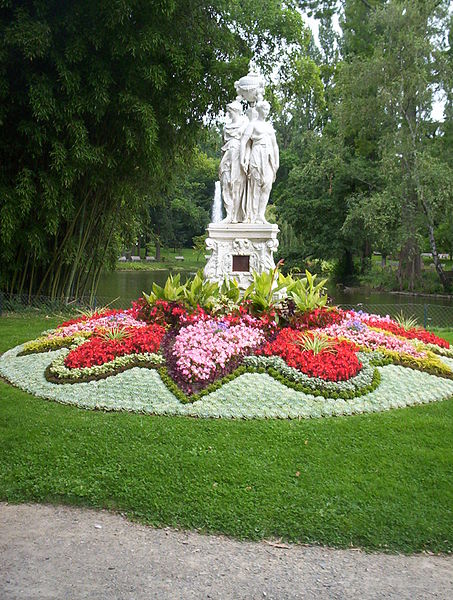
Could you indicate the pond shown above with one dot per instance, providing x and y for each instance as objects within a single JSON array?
[
  {"x": 129, "y": 285},
  {"x": 435, "y": 310}
]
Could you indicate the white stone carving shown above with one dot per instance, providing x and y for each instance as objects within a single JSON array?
[
  {"x": 250, "y": 154},
  {"x": 260, "y": 160},
  {"x": 225, "y": 241},
  {"x": 232, "y": 177},
  {"x": 247, "y": 171}
]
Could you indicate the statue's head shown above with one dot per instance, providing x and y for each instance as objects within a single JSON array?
[
  {"x": 234, "y": 107},
  {"x": 263, "y": 108}
]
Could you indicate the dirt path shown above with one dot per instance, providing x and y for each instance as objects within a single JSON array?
[{"x": 67, "y": 553}]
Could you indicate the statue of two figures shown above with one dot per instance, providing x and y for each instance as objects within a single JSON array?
[{"x": 250, "y": 154}]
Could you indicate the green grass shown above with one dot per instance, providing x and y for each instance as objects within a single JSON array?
[
  {"x": 447, "y": 334},
  {"x": 192, "y": 261},
  {"x": 383, "y": 481}
]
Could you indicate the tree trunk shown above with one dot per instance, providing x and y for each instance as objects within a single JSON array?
[
  {"x": 157, "y": 249},
  {"x": 366, "y": 257},
  {"x": 432, "y": 242},
  {"x": 410, "y": 265},
  {"x": 346, "y": 267}
]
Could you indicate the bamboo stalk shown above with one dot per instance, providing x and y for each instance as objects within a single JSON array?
[{"x": 22, "y": 283}]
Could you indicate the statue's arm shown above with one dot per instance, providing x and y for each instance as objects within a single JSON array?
[
  {"x": 276, "y": 155},
  {"x": 244, "y": 150}
]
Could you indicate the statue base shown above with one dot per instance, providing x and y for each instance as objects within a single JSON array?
[{"x": 239, "y": 249}]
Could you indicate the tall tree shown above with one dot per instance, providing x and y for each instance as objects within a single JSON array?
[{"x": 388, "y": 93}]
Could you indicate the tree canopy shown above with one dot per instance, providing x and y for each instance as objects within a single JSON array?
[
  {"x": 371, "y": 170},
  {"x": 102, "y": 105}
]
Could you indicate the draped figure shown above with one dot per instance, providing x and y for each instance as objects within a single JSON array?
[
  {"x": 259, "y": 158},
  {"x": 231, "y": 175}
]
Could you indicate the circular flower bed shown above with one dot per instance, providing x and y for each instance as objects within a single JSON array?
[{"x": 209, "y": 352}]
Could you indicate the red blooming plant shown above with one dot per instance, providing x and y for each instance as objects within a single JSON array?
[
  {"x": 162, "y": 312},
  {"x": 92, "y": 317},
  {"x": 165, "y": 313},
  {"x": 337, "y": 362},
  {"x": 318, "y": 318},
  {"x": 100, "y": 349}
]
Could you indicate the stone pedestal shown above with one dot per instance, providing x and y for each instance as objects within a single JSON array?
[{"x": 237, "y": 250}]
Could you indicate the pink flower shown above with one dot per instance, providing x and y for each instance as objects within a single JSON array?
[{"x": 204, "y": 347}]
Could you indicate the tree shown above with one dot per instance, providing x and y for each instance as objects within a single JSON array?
[
  {"x": 314, "y": 179},
  {"x": 388, "y": 94},
  {"x": 98, "y": 101},
  {"x": 371, "y": 169}
]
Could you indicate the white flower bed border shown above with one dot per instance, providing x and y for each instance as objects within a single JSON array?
[{"x": 249, "y": 396}]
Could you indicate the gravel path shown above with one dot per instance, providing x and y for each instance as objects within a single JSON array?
[{"x": 51, "y": 552}]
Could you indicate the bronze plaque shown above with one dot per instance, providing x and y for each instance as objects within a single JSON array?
[{"x": 241, "y": 263}]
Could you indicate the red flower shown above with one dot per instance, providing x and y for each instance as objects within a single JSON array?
[
  {"x": 318, "y": 318},
  {"x": 98, "y": 350},
  {"x": 338, "y": 363}
]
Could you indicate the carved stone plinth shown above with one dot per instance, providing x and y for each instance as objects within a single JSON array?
[{"x": 239, "y": 249}]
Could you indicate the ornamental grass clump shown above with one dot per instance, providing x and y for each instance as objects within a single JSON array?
[
  {"x": 316, "y": 343},
  {"x": 115, "y": 333},
  {"x": 405, "y": 321}
]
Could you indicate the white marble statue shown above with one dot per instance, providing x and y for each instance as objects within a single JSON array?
[
  {"x": 259, "y": 160},
  {"x": 244, "y": 242},
  {"x": 232, "y": 177},
  {"x": 250, "y": 154}
]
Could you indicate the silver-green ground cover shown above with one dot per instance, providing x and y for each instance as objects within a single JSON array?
[{"x": 252, "y": 395}]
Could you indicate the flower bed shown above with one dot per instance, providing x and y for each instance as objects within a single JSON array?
[{"x": 202, "y": 352}]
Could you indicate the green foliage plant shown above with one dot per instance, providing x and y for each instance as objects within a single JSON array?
[
  {"x": 307, "y": 294},
  {"x": 229, "y": 297},
  {"x": 428, "y": 364},
  {"x": 201, "y": 292},
  {"x": 47, "y": 344},
  {"x": 58, "y": 373},
  {"x": 172, "y": 291},
  {"x": 263, "y": 292},
  {"x": 230, "y": 290}
]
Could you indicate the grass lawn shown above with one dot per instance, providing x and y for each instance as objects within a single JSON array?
[
  {"x": 192, "y": 261},
  {"x": 383, "y": 481}
]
